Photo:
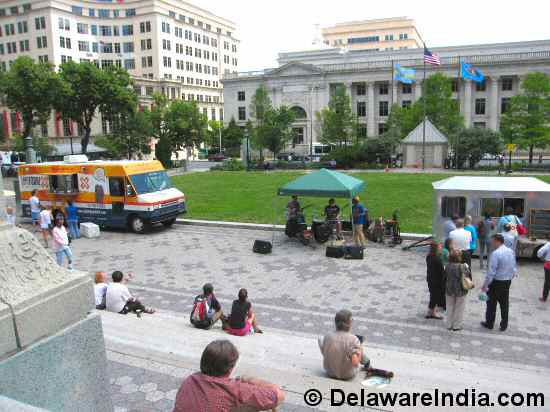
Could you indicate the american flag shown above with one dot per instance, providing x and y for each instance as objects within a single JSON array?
[{"x": 431, "y": 58}]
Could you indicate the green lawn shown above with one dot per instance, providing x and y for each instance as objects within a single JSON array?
[{"x": 252, "y": 197}]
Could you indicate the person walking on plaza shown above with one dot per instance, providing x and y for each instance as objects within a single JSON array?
[
  {"x": 462, "y": 240},
  {"x": 473, "y": 232},
  {"x": 242, "y": 320},
  {"x": 510, "y": 237},
  {"x": 61, "y": 243},
  {"x": 449, "y": 226},
  {"x": 35, "y": 209},
  {"x": 213, "y": 390},
  {"x": 45, "y": 223},
  {"x": 359, "y": 215},
  {"x": 72, "y": 219},
  {"x": 544, "y": 253},
  {"x": 485, "y": 229},
  {"x": 500, "y": 272},
  {"x": 206, "y": 309},
  {"x": 454, "y": 290},
  {"x": 436, "y": 281},
  {"x": 342, "y": 351}
]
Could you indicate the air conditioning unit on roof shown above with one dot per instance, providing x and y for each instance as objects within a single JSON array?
[{"x": 75, "y": 158}]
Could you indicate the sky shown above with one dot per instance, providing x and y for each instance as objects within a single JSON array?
[{"x": 266, "y": 28}]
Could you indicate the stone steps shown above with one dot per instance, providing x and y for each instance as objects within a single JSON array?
[{"x": 293, "y": 361}]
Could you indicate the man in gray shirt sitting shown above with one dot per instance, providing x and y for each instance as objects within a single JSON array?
[
  {"x": 502, "y": 269},
  {"x": 342, "y": 351}
]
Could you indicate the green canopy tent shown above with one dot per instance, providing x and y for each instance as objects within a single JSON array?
[{"x": 324, "y": 183}]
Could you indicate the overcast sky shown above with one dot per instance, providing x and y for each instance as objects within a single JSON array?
[{"x": 266, "y": 28}]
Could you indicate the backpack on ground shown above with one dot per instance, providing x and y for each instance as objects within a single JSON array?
[{"x": 199, "y": 314}]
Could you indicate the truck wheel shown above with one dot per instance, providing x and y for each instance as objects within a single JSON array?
[
  {"x": 139, "y": 225},
  {"x": 169, "y": 223}
]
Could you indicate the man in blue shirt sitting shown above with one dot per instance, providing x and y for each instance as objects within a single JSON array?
[{"x": 501, "y": 270}]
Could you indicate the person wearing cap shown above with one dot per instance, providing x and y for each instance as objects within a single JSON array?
[{"x": 359, "y": 213}]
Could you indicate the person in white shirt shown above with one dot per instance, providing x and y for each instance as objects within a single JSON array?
[
  {"x": 510, "y": 237},
  {"x": 35, "y": 209},
  {"x": 118, "y": 298},
  {"x": 462, "y": 239},
  {"x": 61, "y": 243},
  {"x": 100, "y": 290},
  {"x": 45, "y": 223},
  {"x": 10, "y": 216}
]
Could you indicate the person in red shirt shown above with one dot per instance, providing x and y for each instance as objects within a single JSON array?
[{"x": 212, "y": 389}]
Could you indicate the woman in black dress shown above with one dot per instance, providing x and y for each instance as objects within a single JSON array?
[{"x": 436, "y": 281}]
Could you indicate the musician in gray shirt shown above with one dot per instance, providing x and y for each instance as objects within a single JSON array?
[{"x": 502, "y": 269}]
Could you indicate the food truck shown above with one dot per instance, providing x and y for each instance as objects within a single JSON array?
[
  {"x": 126, "y": 193},
  {"x": 526, "y": 197}
]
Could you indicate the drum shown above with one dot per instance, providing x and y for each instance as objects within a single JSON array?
[{"x": 321, "y": 231}]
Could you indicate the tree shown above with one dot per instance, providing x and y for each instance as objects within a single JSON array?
[
  {"x": 259, "y": 106},
  {"x": 232, "y": 138},
  {"x": 442, "y": 110},
  {"x": 163, "y": 146},
  {"x": 30, "y": 89},
  {"x": 212, "y": 138},
  {"x": 338, "y": 124},
  {"x": 276, "y": 130},
  {"x": 526, "y": 122},
  {"x": 88, "y": 90},
  {"x": 473, "y": 143},
  {"x": 131, "y": 135},
  {"x": 185, "y": 125}
]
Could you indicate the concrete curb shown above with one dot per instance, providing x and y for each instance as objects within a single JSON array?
[{"x": 260, "y": 226}]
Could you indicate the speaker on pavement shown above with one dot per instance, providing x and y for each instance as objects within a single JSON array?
[{"x": 262, "y": 247}]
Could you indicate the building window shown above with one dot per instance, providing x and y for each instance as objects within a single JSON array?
[
  {"x": 129, "y": 64},
  {"x": 146, "y": 44},
  {"x": 91, "y": 12},
  {"x": 130, "y": 12},
  {"x": 454, "y": 85},
  {"x": 504, "y": 104},
  {"x": 83, "y": 46},
  {"x": 42, "y": 42},
  {"x": 241, "y": 96},
  {"x": 383, "y": 109},
  {"x": 242, "y": 113},
  {"x": 221, "y": 114},
  {"x": 145, "y": 26},
  {"x": 362, "y": 132},
  {"x": 383, "y": 89},
  {"x": 22, "y": 27},
  {"x": 82, "y": 28},
  {"x": 94, "y": 30},
  {"x": 103, "y": 14},
  {"x": 44, "y": 130},
  {"x": 67, "y": 127},
  {"x": 40, "y": 23},
  {"x": 127, "y": 30},
  {"x": 480, "y": 106},
  {"x": 481, "y": 86},
  {"x": 165, "y": 27},
  {"x": 480, "y": 125},
  {"x": 403, "y": 36},
  {"x": 451, "y": 206},
  {"x": 361, "y": 109},
  {"x": 297, "y": 136},
  {"x": 95, "y": 47},
  {"x": 405, "y": 104},
  {"x": 507, "y": 84},
  {"x": 361, "y": 89},
  {"x": 388, "y": 37},
  {"x": 406, "y": 89},
  {"x": 106, "y": 30},
  {"x": 382, "y": 128}
]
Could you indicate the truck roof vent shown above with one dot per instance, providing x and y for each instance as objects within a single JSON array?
[{"x": 75, "y": 158}]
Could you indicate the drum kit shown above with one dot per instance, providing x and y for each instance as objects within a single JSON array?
[{"x": 322, "y": 230}]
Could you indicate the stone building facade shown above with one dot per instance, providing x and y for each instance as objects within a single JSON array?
[{"x": 305, "y": 80}]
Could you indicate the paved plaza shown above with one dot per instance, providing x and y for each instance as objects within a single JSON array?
[{"x": 298, "y": 289}]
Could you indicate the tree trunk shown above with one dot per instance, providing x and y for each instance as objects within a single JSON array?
[
  {"x": 85, "y": 139},
  {"x": 531, "y": 149}
]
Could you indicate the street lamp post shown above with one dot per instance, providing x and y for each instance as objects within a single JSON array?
[
  {"x": 247, "y": 138},
  {"x": 29, "y": 151}
]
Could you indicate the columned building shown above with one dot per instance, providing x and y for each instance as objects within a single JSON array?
[
  {"x": 305, "y": 81},
  {"x": 167, "y": 46}
]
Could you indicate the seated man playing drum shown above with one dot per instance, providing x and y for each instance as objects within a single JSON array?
[
  {"x": 294, "y": 209},
  {"x": 332, "y": 214}
]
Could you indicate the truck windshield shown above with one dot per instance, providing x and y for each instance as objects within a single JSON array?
[{"x": 151, "y": 182}]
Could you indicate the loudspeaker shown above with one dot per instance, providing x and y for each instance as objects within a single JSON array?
[
  {"x": 335, "y": 251},
  {"x": 262, "y": 246},
  {"x": 354, "y": 252}
]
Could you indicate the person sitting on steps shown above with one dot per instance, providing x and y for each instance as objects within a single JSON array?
[
  {"x": 118, "y": 298},
  {"x": 206, "y": 309},
  {"x": 342, "y": 351},
  {"x": 242, "y": 321}
]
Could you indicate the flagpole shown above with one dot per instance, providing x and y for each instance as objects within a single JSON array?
[
  {"x": 458, "y": 100},
  {"x": 392, "y": 79},
  {"x": 424, "y": 117}
]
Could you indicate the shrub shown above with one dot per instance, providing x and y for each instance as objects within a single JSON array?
[{"x": 230, "y": 165}]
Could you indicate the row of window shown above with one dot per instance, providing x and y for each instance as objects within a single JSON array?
[
  {"x": 495, "y": 207},
  {"x": 104, "y": 13},
  {"x": 94, "y": 29},
  {"x": 191, "y": 21},
  {"x": 15, "y": 10}
]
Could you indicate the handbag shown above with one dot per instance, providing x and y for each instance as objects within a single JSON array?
[{"x": 467, "y": 283}]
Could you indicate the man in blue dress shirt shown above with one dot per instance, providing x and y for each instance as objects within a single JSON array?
[{"x": 502, "y": 269}]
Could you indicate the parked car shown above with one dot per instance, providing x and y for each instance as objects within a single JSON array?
[{"x": 216, "y": 157}]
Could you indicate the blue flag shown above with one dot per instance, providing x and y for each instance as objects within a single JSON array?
[
  {"x": 404, "y": 75},
  {"x": 469, "y": 72}
]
